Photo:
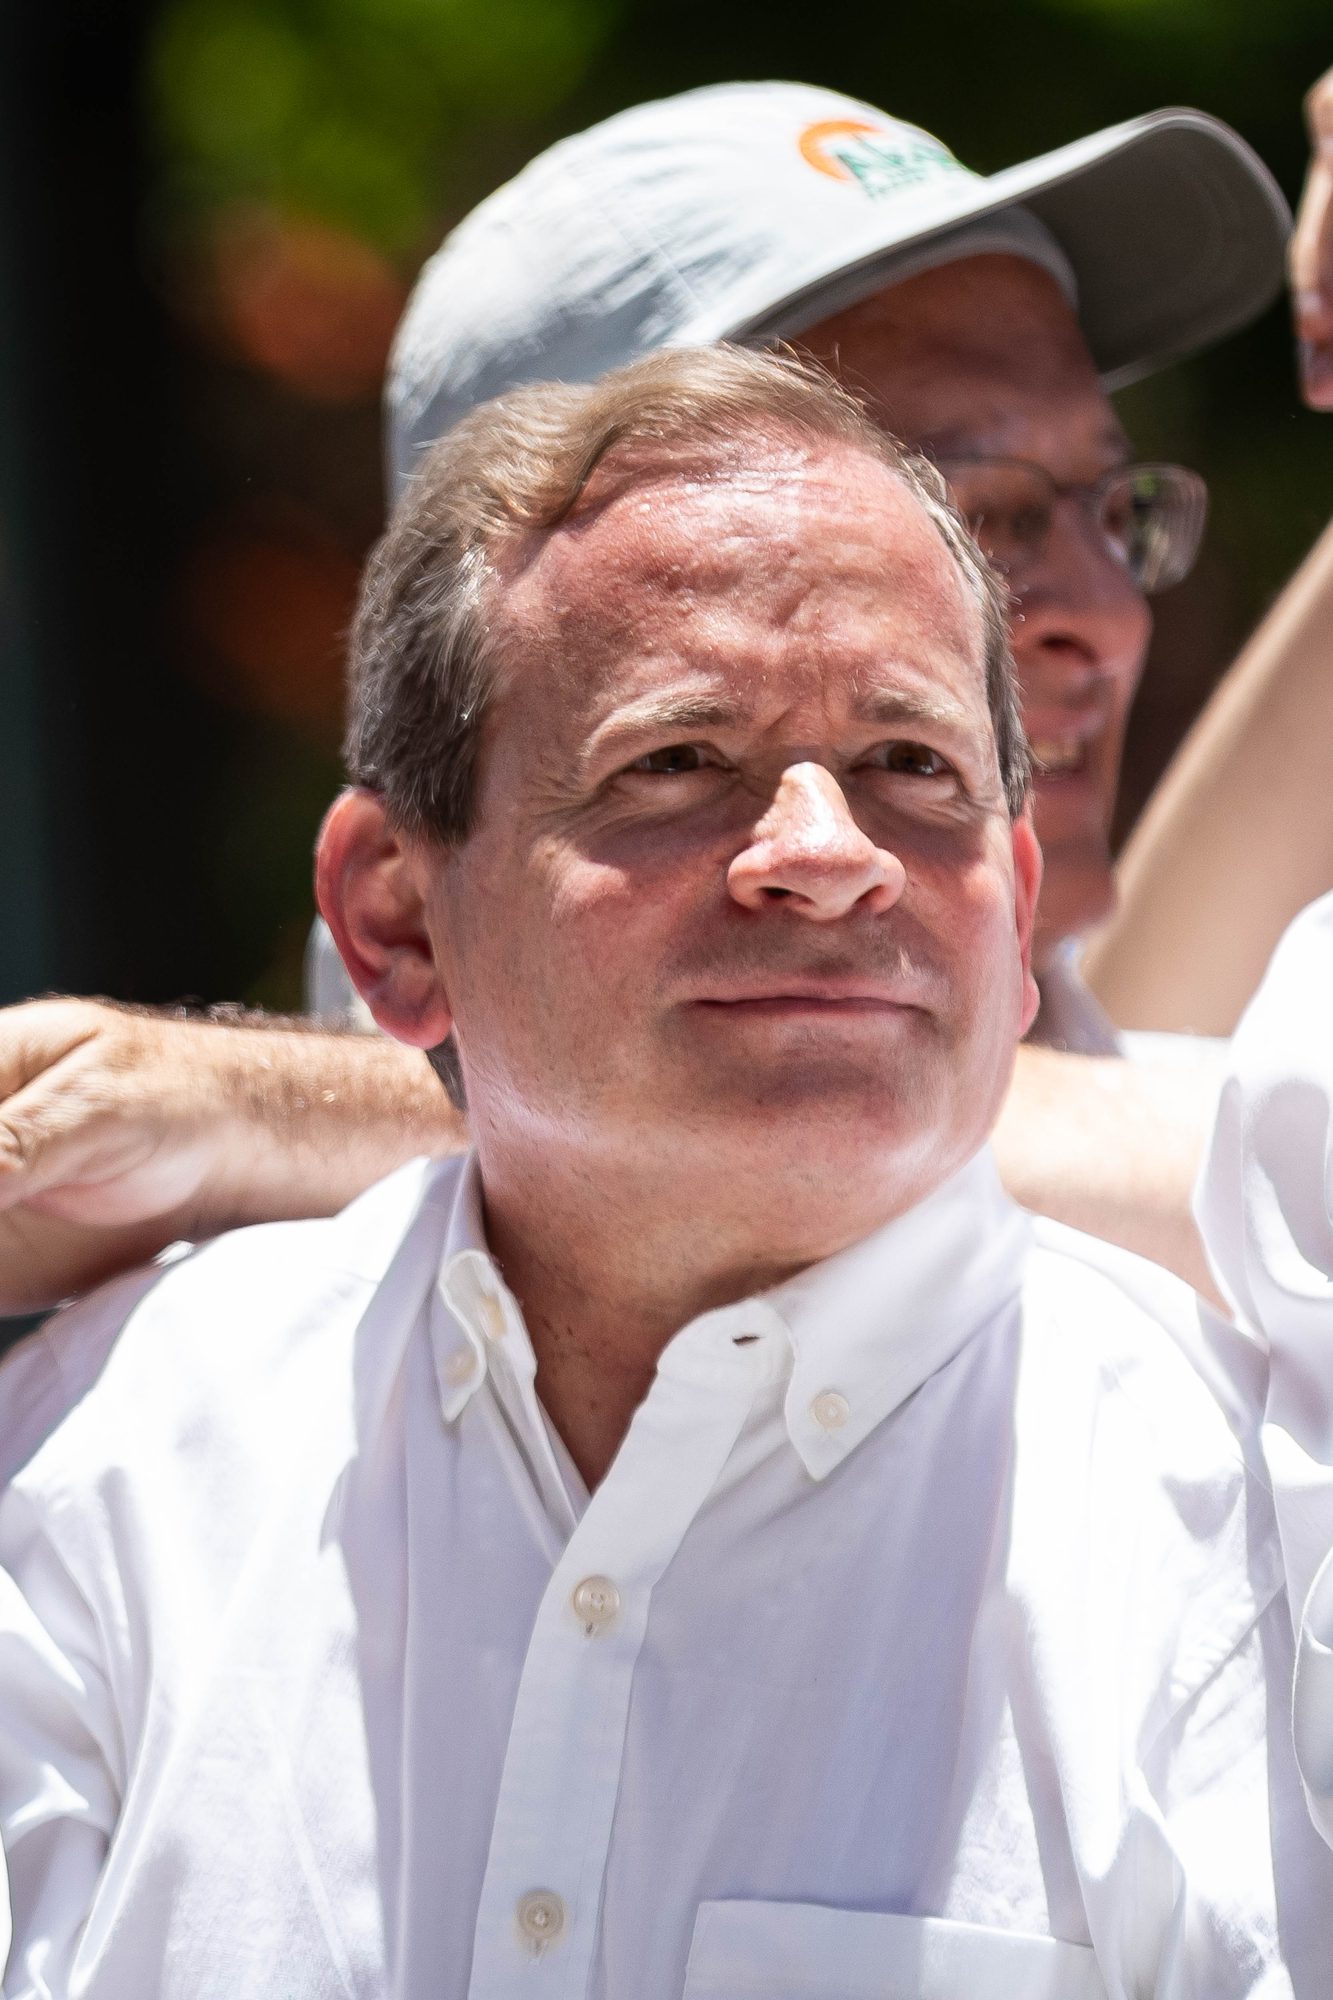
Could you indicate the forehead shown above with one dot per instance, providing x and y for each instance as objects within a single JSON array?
[
  {"x": 984, "y": 351},
  {"x": 809, "y": 565}
]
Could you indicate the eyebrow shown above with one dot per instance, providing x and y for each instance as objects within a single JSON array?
[
  {"x": 1115, "y": 441},
  {"x": 683, "y": 712},
  {"x": 893, "y": 706},
  {"x": 687, "y": 714}
]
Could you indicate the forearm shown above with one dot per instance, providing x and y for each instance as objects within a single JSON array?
[
  {"x": 1112, "y": 1148},
  {"x": 253, "y": 1124},
  {"x": 312, "y": 1120},
  {"x": 1238, "y": 836},
  {"x": 123, "y": 1131}
]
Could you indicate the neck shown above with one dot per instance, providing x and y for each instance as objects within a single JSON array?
[{"x": 609, "y": 1265}]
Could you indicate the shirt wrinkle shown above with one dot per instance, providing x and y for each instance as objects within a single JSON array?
[{"x": 524, "y": 1739}]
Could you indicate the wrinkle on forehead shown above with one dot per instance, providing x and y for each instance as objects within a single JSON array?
[
  {"x": 788, "y": 535},
  {"x": 623, "y": 483}
]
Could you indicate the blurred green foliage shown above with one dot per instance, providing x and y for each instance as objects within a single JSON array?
[
  {"x": 1198, "y": 17},
  {"x": 392, "y": 117},
  {"x": 348, "y": 110}
]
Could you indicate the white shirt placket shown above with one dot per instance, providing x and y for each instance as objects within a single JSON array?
[
  {"x": 498, "y": 1349},
  {"x": 538, "y": 1915}
]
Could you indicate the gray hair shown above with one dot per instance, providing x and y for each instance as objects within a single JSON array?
[{"x": 423, "y": 653}]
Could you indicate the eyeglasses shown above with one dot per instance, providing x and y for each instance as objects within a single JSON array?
[{"x": 1150, "y": 516}]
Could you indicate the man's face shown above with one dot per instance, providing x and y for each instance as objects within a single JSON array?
[
  {"x": 741, "y": 908},
  {"x": 985, "y": 358}
]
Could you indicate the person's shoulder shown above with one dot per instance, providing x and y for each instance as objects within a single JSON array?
[
  {"x": 1117, "y": 1323},
  {"x": 210, "y": 1335},
  {"x": 267, "y": 1285}
]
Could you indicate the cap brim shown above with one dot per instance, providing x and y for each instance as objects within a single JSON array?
[{"x": 1175, "y": 229}]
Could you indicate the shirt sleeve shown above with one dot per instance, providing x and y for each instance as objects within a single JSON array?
[
  {"x": 44, "y": 1376},
  {"x": 1241, "y": 1920},
  {"x": 1264, "y": 1204},
  {"x": 60, "y": 1756}
]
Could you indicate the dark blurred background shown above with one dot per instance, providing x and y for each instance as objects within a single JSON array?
[{"x": 210, "y": 213}]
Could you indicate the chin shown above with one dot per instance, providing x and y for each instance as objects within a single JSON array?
[
  {"x": 837, "y": 1122},
  {"x": 835, "y": 1175},
  {"x": 825, "y": 1079}
]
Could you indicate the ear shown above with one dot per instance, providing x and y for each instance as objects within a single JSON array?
[
  {"x": 1027, "y": 887},
  {"x": 370, "y": 884}
]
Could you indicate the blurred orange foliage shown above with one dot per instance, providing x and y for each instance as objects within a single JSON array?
[
  {"x": 306, "y": 302},
  {"x": 265, "y": 617}
]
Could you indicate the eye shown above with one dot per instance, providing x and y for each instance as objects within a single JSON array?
[
  {"x": 914, "y": 760},
  {"x": 671, "y": 762}
]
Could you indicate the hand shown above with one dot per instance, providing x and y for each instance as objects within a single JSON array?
[
  {"x": 106, "y": 1116},
  {"x": 1311, "y": 256},
  {"x": 121, "y": 1131}
]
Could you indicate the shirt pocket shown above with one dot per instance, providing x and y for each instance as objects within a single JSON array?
[{"x": 805, "y": 1951}]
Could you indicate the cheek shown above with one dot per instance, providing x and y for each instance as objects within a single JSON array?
[
  {"x": 1127, "y": 672},
  {"x": 1125, "y": 659},
  {"x": 969, "y": 911},
  {"x": 1138, "y": 633},
  {"x": 635, "y": 886},
  {"x": 553, "y": 938},
  {"x": 600, "y": 920}
]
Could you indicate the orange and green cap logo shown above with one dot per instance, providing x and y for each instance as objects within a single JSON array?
[{"x": 879, "y": 161}]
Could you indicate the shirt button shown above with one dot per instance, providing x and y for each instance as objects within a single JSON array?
[
  {"x": 459, "y": 1367},
  {"x": 596, "y": 1604},
  {"x": 540, "y": 1919},
  {"x": 830, "y": 1410},
  {"x": 492, "y": 1318}
]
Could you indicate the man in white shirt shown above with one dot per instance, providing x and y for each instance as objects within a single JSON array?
[
  {"x": 984, "y": 320},
  {"x": 709, "y": 1542}
]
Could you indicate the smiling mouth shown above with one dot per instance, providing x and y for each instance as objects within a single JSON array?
[{"x": 1058, "y": 756}]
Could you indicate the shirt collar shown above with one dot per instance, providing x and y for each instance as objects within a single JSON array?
[
  {"x": 868, "y": 1326},
  {"x": 473, "y": 1301},
  {"x": 385, "y": 1327},
  {"x": 856, "y": 1334}
]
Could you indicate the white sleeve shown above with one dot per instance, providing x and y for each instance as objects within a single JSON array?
[
  {"x": 44, "y": 1376},
  {"x": 61, "y": 1756},
  {"x": 1264, "y": 1204}
]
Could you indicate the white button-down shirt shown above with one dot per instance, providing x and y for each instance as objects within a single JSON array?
[{"x": 914, "y": 1644}]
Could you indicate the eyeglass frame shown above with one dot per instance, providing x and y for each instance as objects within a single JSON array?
[{"x": 1092, "y": 496}]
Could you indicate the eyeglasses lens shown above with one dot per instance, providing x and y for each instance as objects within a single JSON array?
[
  {"x": 1151, "y": 516},
  {"x": 1009, "y": 508}
]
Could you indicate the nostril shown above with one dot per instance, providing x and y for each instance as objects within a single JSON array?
[{"x": 775, "y": 893}]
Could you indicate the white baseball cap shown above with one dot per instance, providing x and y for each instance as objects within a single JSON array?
[{"x": 752, "y": 211}]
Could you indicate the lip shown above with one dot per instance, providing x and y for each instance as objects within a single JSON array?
[
  {"x": 826, "y": 997},
  {"x": 787, "y": 1006}
]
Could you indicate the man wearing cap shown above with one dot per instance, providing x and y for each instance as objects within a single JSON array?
[
  {"x": 777, "y": 212},
  {"x": 708, "y": 1542},
  {"x": 980, "y": 319}
]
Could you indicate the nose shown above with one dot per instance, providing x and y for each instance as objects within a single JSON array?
[
  {"x": 1079, "y": 613},
  {"x": 809, "y": 853}
]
